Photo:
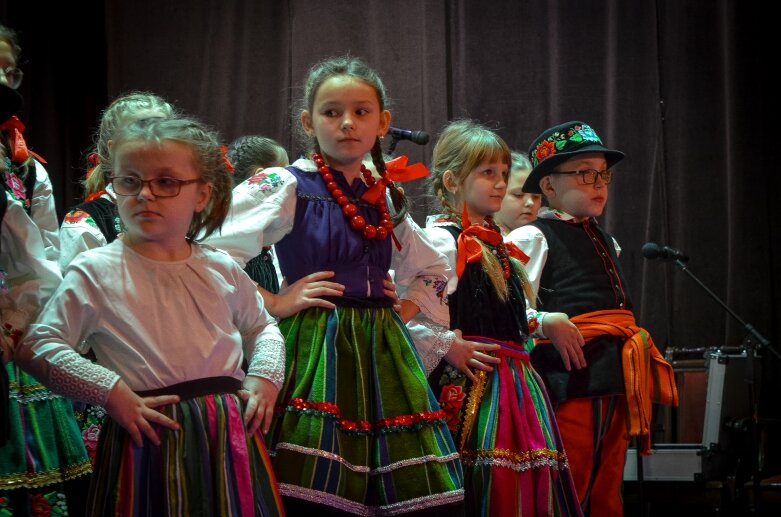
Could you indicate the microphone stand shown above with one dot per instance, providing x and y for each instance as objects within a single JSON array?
[
  {"x": 392, "y": 146},
  {"x": 753, "y": 342}
]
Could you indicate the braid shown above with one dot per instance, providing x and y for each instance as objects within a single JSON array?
[
  {"x": 449, "y": 210},
  {"x": 400, "y": 202}
]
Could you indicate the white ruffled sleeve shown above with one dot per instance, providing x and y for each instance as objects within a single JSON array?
[
  {"x": 78, "y": 234},
  {"x": 532, "y": 242},
  {"x": 262, "y": 212},
  {"x": 43, "y": 212},
  {"x": 421, "y": 271},
  {"x": 48, "y": 350},
  {"x": 263, "y": 344}
]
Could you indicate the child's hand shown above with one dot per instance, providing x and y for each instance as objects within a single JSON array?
[
  {"x": 567, "y": 339},
  {"x": 260, "y": 395},
  {"x": 304, "y": 293},
  {"x": 463, "y": 354},
  {"x": 390, "y": 291},
  {"x": 135, "y": 414}
]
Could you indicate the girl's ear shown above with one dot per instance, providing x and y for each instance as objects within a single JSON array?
[
  {"x": 204, "y": 194},
  {"x": 385, "y": 120},
  {"x": 306, "y": 122},
  {"x": 449, "y": 181}
]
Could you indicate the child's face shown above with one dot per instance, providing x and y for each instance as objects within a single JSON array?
[
  {"x": 483, "y": 190},
  {"x": 149, "y": 218},
  {"x": 7, "y": 60},
  {"x": 518, "y": 207},
  {"x": 346, "y": 119},
  {"x": 567, "y": 193}
]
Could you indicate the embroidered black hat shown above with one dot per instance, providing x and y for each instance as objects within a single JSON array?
[
  {"x": 10, "y": 102},
  {"x": 558, "y": 144}
]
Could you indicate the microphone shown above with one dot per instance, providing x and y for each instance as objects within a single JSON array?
[
  {"x": 651, "y": 250},
  {"x": 418, "y": 137}
]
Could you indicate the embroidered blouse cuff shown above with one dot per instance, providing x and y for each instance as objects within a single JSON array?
[
  {"x": 75, "y": 377},
  {"x": 268, "y": 361},
  {"x": 438, "y": 344},
  {"x": 535, "y": 319}
]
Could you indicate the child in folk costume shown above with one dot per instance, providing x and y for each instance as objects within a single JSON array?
[
  {"x": 574, "y": 268},
  {"x": 358, "y": 429},
  {"x": 518, "y": 207},
  {"x": 514, "y": 461},
  {"x": 95, "y": 222},
  {"x": 170, "y": 322},
  {"x": 41, "y": 451}
]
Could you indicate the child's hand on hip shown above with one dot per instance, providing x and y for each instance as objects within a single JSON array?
[
  {"x": 567, "y": 339},
  {"x": 136, "y": 415},
  {"x": 260, "y": 395}
]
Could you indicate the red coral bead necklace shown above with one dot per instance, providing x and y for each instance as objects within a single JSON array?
[{"x": 350, "y": 210}]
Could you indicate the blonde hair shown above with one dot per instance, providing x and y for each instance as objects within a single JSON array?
[
  {"x": 520, "y": 162},
  {"x": 207, "y": 158},
  {"x": 462, "y": 146},
  {"x": 125, "y": 109}
]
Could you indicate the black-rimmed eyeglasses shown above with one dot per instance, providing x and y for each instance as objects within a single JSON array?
[
  {"x": 589, "y": 176},
  {"x": 13, "y": 75},
  {"x": 160, "y": 187}
]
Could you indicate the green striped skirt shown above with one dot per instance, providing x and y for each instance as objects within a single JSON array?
[
  {"x": 357, "y": 427},
  {"x": 45, "y": 444}
]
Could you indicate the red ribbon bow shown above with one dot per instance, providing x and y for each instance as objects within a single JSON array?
[
  {"x": 225, "y": 160},
  {"x": 469, "y": 250},
  {"x": 13, "y": 128},
  {"x": 397, "y": 170}
]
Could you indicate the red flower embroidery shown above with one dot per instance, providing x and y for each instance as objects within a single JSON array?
[
  {"x": 544, "y": 150},
  {"x": 39, "y": 505},
  {"x": 451, "y": 398},
  {"x": 76, "y": 216}
]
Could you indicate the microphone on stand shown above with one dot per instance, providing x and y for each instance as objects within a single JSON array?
[
  {"x": 651, "y": 250},
  {"x": 417, "y": 137}
]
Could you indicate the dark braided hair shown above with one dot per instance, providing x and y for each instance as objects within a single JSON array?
[
  {"x": 356, "y": 68},
  {"x": 248, "y": 153}
]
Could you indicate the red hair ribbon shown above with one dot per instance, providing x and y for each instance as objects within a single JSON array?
[
  {"x": 94, "y": 161},
  {"x": 395, "y": 170},
  {"x": 13, "y": 128},
  {"x": 225, "y": 160}
]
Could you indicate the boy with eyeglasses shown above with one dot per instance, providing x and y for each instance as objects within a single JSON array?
[{"x": 574, "y": 269}]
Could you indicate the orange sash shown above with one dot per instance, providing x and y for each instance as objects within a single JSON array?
[{"x": 648, "y": 378}]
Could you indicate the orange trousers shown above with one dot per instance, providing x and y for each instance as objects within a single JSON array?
[{"x": 594, "y": 435}]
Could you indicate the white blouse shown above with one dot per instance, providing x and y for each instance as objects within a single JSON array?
[{"x": 152, "y": 323}]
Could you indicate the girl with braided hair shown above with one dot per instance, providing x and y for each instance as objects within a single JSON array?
[
  {"x": 357, "y": 427},
  {"x": 497, "y": 407}
]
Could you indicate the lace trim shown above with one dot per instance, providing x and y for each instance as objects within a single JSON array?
[
  {"x": 268, "y": 361},
  {"x": 442, "y": 339},
  {"x": 80, "y": 379},
  {"x": 40, "y": 479},
  {"x": 346, "y": 505},
  {"x": 362, "y": 468}
]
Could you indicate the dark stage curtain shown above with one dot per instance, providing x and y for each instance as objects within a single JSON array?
[{"x": 682, "y": 87}]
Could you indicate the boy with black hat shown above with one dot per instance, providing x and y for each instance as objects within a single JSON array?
[{"x": 606, "y": 398}]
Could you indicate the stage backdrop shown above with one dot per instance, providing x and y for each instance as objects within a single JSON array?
[{"x": 682, "y": 87}]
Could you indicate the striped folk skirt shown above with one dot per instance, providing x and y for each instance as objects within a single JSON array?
[
  {"x": 506, "y": 432},
  {"x": 210, "y": 466},
  {"x": 357, "y": 427},
  {"x": 44, "y": 448}
]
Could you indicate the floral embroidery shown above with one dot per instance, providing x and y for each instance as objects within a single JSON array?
[
  {"x": 14, "y": 334},
  {"x": 51, "y": 504},
  {"x": 266, "y": 181},
  {"x": 560, "y": 140},
  {"x": 90, "y": 436},
  {"x": 451, "y": 398},
  {"x": 5, "y": 509},
  {"x": 17, "y": 187},
  {"x": 439, "y": 286},
  {"x": 76, "y": 216}
]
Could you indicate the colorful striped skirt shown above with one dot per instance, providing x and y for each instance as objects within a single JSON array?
[
  {"x": 513, "y": 456},
  {"x": 44, "y": 448},
  {"x": 358, "y": 428},
  {"x": 210, "y": 466}
]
